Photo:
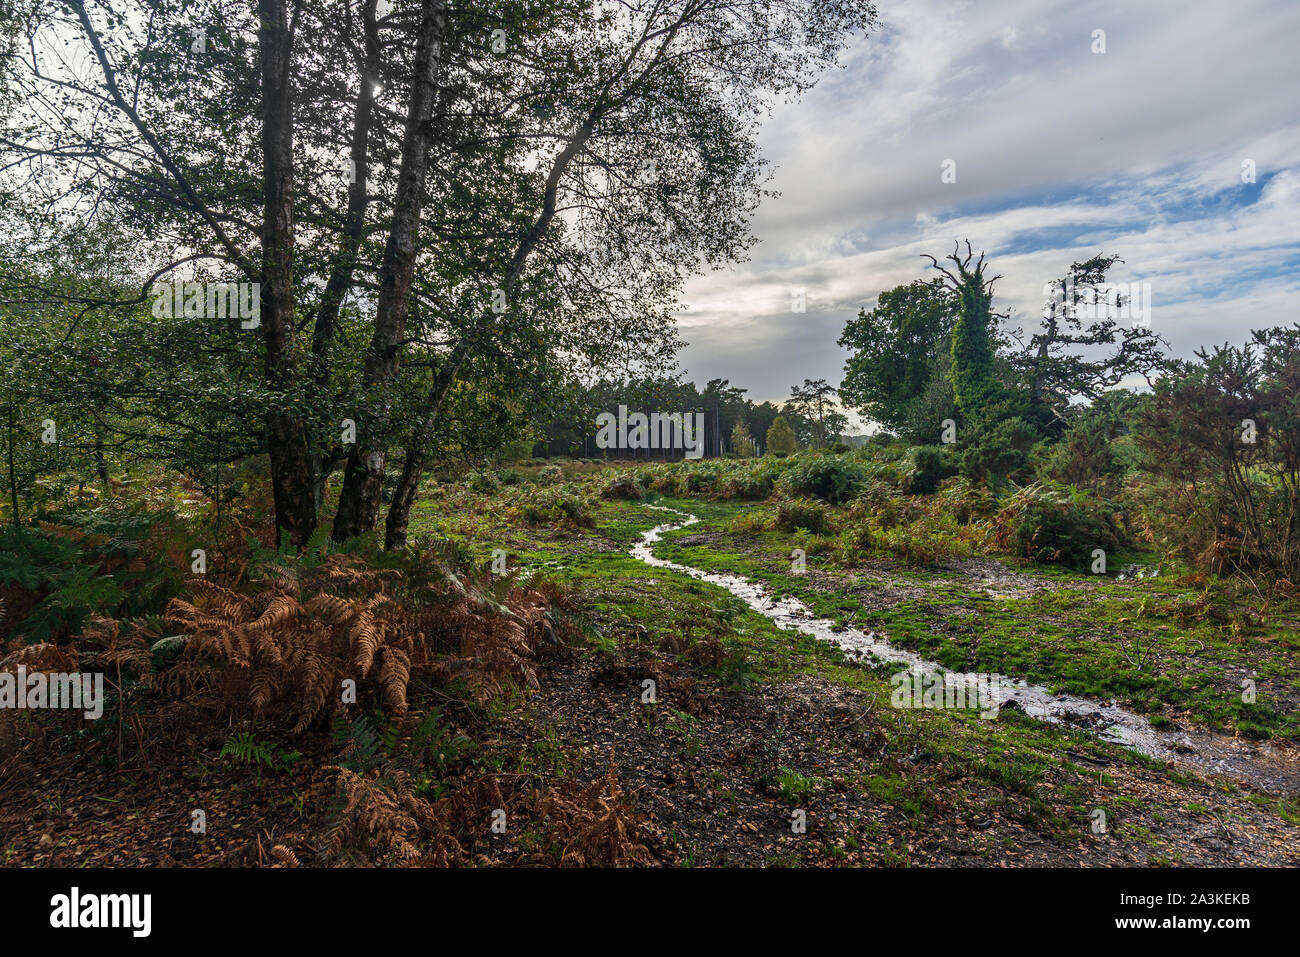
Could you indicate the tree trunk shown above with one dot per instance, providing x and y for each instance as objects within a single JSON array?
[
  {"x": 345, "y": 258},
  {"x": 344, "y": 263},
  {"x": 13, "y": 475},
  {"x": 101, "y": 465},
  {"x": 293, "y": 465},
  {"x": 399, "y": 511},
  {"x": 363, "y": 479}
]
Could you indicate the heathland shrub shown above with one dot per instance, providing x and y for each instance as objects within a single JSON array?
[
  {"x": 1000, "y": 451},
  {"x": 1086, "y": 455},
  {"x": 715, "y": 478},
  {"x": 484, "y": 483},
  {"x": 928, "y": 465},
  {"x": 1220, "y": 440},
  {"x": 623, "y": 485},
  {"x": 556, "y": 504},
  {"x": 889, "y": 471},
  {"x": 926, "y": 541},
  {"x": 915, "y": 530},
  {"x": 832, "y": 478},
  {"x": 968, "y": 502},
  {"x": 699, "y": 478},
  {"x": 749, "y": 523},
  {"x": 874, "y": 493},
  {"x": 1053, "y": 523},
  {"x": 793, "y": 514},
  {"x": 751, "y": 479}
]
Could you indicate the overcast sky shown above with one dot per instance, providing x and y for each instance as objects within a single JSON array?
[{"x": 1060, "y": 153}]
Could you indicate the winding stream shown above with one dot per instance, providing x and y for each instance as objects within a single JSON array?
[{"x": 1258, "y": 765}]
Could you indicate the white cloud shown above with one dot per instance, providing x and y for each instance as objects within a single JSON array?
[{"x": 1127, "y": 152}]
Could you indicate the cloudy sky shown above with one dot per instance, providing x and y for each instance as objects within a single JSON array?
[{"x": 1060, "y": 153}]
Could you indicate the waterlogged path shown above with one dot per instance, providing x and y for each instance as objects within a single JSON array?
[{"x": 1258, "y": 765}]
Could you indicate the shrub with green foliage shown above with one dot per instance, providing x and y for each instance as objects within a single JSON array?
[
  {"x": 832, "y": 478},
  {"x": 700, "y": 478},
  {"x": 930, "y": 465},
  {"x": 556, "y": 504},
  {"x": 754, "y": 479},
  {"x": 968, "y": 502},
  {"x": 483, "y": 483},
  {"x": 914, "y": 530},
  {"x": 1055, "y": 524},
  {"x": 715, "y": 478},
  {"x": 1220, "y": 440},
  {"x": 1000, "y": 451},
  {"x": 874, "y": 492},
  {"x": 793, "y": 514},
  {"x": 1086, "y": 455},
  {"x": 623, "y": 485}
]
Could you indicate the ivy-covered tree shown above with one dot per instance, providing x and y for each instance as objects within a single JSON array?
[{"x": 977, "y": 390}]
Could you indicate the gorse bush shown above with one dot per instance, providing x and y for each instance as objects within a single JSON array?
[
  {"x": 793, "y": 514},
  {"x": 623, "y": 485},
  {"x": 1000, "y": 451},
  {"x": 1055, "y": 524},
  {"x": 929, "y": 465},
  {"x": 1221, "y": 442},
  {"x": 832, "y": 478},
  {"x": 556, "y": 504},
  {"x": 1086, "y": 456}
]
